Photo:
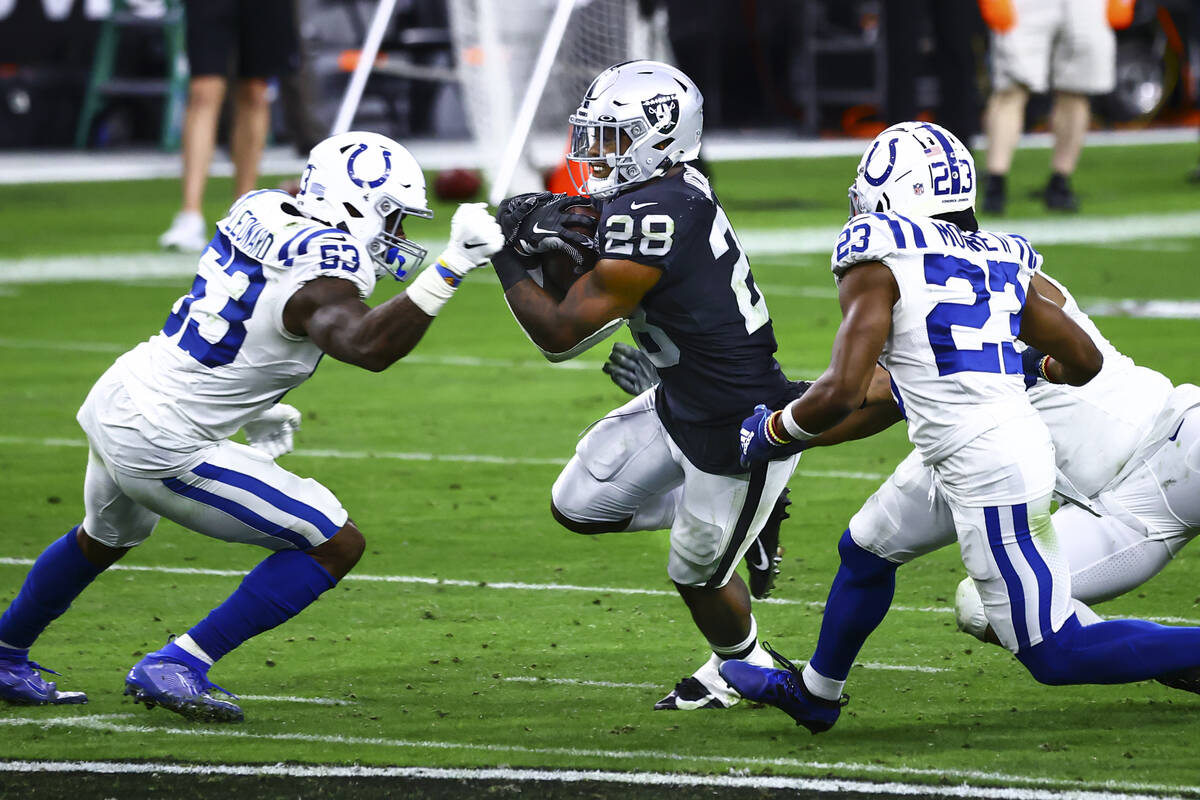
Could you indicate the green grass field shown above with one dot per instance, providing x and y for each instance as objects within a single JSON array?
[{"x": 470, "y": 630}]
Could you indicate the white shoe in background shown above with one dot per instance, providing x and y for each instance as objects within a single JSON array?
[{"x": 187, "y": 233}]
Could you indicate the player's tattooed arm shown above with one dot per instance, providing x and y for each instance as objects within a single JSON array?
[
  {"x": 610, "y": 291},
  {"x": 330, "y": 312},
  {"x": 1070, "y": 354}
]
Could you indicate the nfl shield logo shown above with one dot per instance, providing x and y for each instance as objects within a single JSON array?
[
  {"x": 662, "y": 112},
  {"x": 918, "y": 188}
]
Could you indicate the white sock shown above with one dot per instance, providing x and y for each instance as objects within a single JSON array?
[
  {"x": 742, "y": 648},
  {"x": 187, "y": 643},
  {"x": 818, "y": 684}
]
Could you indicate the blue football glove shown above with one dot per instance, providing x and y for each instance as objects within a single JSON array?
[
  {"x": 1031, "y": 365},
  {"x": 755, "y": 444}
]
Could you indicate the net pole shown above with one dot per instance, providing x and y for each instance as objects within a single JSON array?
[
  {"x": 529, "y": 103},
  {"x": 366, "y": 60}
]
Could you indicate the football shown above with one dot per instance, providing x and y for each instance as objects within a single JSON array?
[
  {"x": 456, "y": 184},
  {"x": 558, "y": 270}
]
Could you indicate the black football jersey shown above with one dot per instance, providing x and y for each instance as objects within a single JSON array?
[{"x": 705, "y": 324}]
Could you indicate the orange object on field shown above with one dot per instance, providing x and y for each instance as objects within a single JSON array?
[
  {"x": 999, "y": 15},
  {"x": 1120, "y": 13}
]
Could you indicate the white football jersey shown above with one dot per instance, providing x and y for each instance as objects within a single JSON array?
[
  {"x": 223, "y": 356},
  {"x": 955, "y": 370},
  {"x": 1098, "y": 427}
]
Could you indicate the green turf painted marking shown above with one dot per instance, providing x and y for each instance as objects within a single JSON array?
[
  {"x": 822, "y": 786},
  {"x": 110, "y": 724}
]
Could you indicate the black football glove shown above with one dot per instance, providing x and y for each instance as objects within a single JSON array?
[
  {"x": 546, "y": 228},
  {"x": 513, "y": 210},
  {"x": 630, "y": 369}
]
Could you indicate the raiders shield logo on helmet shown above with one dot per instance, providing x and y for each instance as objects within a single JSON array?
[{"x": 662, "y": 112}]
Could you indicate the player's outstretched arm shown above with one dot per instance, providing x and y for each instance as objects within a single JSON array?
[
  {"x": 612, "y": 290},
  {"x": 1070, "y": 355},
  {"x": 867, "y": 293},
  {"x": 877, "y": 413},
  {"x": 330, "y": 312}
]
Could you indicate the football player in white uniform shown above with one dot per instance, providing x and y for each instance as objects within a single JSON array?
[
  {"x": 940, "y": 305},
  {"x": 282, "y": 283},
  {"x": 1136, "y": 488}
]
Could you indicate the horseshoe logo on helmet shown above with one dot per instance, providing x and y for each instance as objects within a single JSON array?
[
  {"x": 891, "y": 163},
  {"x": 365, "y": 184}
]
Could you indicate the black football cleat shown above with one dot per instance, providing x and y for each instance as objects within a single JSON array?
[
  {"x": 765, "y": 555},
  {"x": 1187, "y": 680}
]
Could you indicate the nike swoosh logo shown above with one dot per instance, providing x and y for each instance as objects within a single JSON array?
[
  {"x": 636, "y": 206},
  {"x": 473, "y": 245},
  {"x": 539, "y": 229},
  {"x": 761, "y": 552},
  {"x": 1171, "y": 438}
]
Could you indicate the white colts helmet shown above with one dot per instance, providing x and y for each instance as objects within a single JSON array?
[
  {"x": 636, "y": 121},
  {"x": 366, "y": 184},
  {"x": 915, "y": 168}
]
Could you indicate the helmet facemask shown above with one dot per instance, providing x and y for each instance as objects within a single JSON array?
[
  {"x": 392, "y": 253},
  {"x": 603, "y": 155}
]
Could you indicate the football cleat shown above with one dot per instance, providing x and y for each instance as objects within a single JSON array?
[
  {"x": 1187, "y": 680},
  {"x": 703, "y": 689},
  {"x": 764, "y": 556},
  {"x": 21, "y": 684},
  {"x": 157, "y": 680},
  {"x": 784, "y": 689}
]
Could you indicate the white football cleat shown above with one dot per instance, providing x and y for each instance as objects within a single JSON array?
[
  {"x": 968, "y": 610},
  {"x": 705, "y": 688},
  {"x": 187, "y": 233}
]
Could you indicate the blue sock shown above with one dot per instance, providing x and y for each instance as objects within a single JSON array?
[
  {"x": 858, "y": 601},
  {"x": 1115, "y": 651},
  {"x": 60, "y": 573},
  {"x": 279, "y": 588}
]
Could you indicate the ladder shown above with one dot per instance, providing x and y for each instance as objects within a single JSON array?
[{"x": 104, "y": 84}]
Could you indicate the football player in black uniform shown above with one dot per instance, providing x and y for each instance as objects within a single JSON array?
[{"x": 670, "y": 264}]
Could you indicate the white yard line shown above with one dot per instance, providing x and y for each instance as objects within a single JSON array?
[
  {"x": 1150, "y": 229},
  {"x": 457, "y": 458},
  {"x": 1054, "y": 789},
  {"x": 567, "y": 776},
  {"x": 581, "y": 682},
  {"x": 284, "y": 698},
  {"x": 531, "y": 587}
]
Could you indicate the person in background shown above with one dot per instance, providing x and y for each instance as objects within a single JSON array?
[
  {"x": 261, "y": 36},
  {"x": 956, "y": 27},
  {"x": 1067, "y": 45}
]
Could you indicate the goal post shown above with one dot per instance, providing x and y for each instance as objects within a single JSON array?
[{"x": 524, "y": 66}]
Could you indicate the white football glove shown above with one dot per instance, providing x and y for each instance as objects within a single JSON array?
[
  {"x": 474, "y": 237},
  {"x": 272, "y": 431}
]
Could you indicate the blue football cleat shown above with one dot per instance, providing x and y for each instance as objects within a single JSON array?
[
  {"x": 784, "y": 689},
  {"x": 21, "y": 684},
  {"x": 158, "y": 680}
]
